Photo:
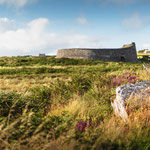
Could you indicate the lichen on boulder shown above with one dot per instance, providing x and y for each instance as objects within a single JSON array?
[{"x": 138, "y": 90}]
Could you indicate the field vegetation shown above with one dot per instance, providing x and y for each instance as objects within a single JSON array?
[
  {"x": 65, "y": 104},
  {"x": 143, "y": 56}
]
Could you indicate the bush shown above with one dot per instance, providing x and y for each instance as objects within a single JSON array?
[
  {"x": 40, "y": 100},
  {"x": 80, "y": 84},
  {"x": 61, "y": 92},
  {"x": 11, "y": 104}
]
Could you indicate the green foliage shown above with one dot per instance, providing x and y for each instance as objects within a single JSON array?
[
  {"x": 57, "y": 125},
  {"x": 30, "y": 61},
  {"x": 11, "y": 103},
  {"x": 28, "y": 71},
  {"x": 40, "y": 100},
  {"x": 141, "y": 51},
  {"x": 73, "y": 110},
  {"x": 80, "y": 84},
  {"x": 61, "y": 92}
]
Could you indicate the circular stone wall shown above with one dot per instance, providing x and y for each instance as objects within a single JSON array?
[{"x": 126, "y": 53}]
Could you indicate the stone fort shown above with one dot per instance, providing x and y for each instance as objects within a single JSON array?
[{"x": 125, "y": 54}]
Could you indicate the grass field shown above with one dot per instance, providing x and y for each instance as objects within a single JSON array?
[
  {"x": 143, "y": 56},
  {"x": 65, "y": 104}
]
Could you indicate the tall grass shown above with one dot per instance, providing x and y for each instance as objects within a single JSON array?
[{"x": 73, "y": 110}]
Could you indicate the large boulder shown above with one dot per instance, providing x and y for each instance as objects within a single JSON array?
[{"x": 123, "y": 94}]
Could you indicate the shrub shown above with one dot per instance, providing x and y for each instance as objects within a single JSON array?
[
  {"x": 40, "y": 100},
  {"x": 125, "y": 78},
  {"x": 61, "y": 92},
  {"x": 11, "y": 104},
  {"x": 80, "y": 84}
]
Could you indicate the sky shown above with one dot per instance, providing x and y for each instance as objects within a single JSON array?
[{"x": 30, "y": 27}]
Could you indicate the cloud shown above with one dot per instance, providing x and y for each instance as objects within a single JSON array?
[
  {"x": 145, "y": 46},
  {"x": 34, "y": 38},
  {"x": 134, "y": 22},
  {"x": 6, "y": 24},
  {"x": 17, "y": 3},
  {"x": 82, "y": 20}
]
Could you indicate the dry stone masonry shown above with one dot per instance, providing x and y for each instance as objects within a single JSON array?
[{"x": 126, "y": 54}]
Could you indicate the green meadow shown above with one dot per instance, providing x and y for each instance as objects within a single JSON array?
[{"x": 65, "y": 104}]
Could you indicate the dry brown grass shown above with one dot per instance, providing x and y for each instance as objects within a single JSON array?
[{"x": 110, "y": 131}]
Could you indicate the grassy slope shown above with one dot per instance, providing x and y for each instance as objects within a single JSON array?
[{"x": 48, "y": 103}]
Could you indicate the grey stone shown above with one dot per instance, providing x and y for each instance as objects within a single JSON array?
[
  {"x": 139, "y": 89},
  {"x": 127, "y": 53},
  {"x": 146, "y": 67}
]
